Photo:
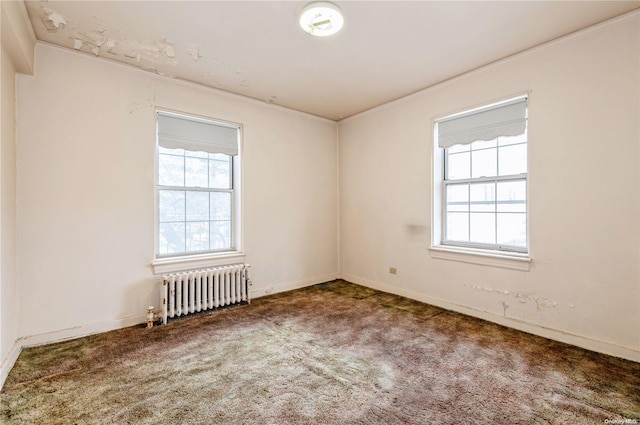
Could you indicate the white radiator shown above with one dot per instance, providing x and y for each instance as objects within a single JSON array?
[{"x": 198, "y": 290}]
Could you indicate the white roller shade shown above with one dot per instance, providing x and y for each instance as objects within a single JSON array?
[
  {"x": 506, "y": 119},
  {"x": 175, "y": 132}
]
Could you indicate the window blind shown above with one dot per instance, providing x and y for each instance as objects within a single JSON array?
[
  {"x": 505, "y": 119},
  {"x": 175, "y": 132}
]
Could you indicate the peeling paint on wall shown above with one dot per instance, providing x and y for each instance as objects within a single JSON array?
[
  {"x": 132, "y": 55},
  {"x": 149, "y": 53},
  {"x": 156, "y": 54},
  {"x": 52, "y": 20},
  {"x": 97, "y": 39},
  {"x": 110, "y": 44},
  {"x": 149, "y": 102},
  {"x": 505, "y": 306},
  {"x": 194, "y": 51},
  {"x": 166, "y": 48},
  {"x": 541, "y": 302}
]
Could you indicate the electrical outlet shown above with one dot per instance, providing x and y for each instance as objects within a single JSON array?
[{"x": 393, "y": 270}]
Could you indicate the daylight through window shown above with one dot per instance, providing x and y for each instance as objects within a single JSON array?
[
  {"x": 196, "y": 185},
  {"x": 484, "y": 179}
]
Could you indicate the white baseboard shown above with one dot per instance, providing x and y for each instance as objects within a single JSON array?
[
  {"x": 95, "y": 328},
  {"x": 80, "y": 331},
  {"x": 261, "y": 292},
  {"x": 9, "y": 361},
  {"x": 521, "y": 325},
  {"x": 555, "y": 334},
  {"x": 63, "y": 335}
]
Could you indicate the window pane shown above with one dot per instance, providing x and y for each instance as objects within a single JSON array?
[
  {"x": 220, "y": 173},
  {"x": 458, "y": 166},
  {"x": 195, "y": 191},
  {"x": 197, "y": 236},
  {"x": 220, "y": 234},
  {"x": 196, "y": 172},
  {"x": 220, "y": 206},
  {"x": 170, "y": 170},
  {"x": 483, "y": 197},
  {"x": 512, "y": 229},
  {"x": 484, "y": 163},
  {"x": 512, "y": 196},
  {"x": 483, "y": 228},
  {"x": 512, "y": 159},
  {"x": 171, "y": 238},
  {"x": 171, "y": 206},
  {"x": 196, "y": 154},
  {"x": 457, "y": 197},
  {"x": 458, "y": 226},
  {"x": 197, "y": 206},
  {"x": 485, "y": 189}
]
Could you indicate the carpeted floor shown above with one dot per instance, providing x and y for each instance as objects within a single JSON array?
[{"x": 334, "y": 353}]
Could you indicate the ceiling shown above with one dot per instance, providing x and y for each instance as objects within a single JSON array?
[{"x": 386, "y": 50}]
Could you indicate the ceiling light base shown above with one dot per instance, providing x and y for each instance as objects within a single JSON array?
[{"x": 321, "y": 19}]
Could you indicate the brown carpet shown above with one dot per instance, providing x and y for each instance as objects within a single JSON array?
[{"x": 334, "y": 353}]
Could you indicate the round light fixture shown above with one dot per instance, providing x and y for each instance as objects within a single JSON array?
[{"x": 321, "y": 19}]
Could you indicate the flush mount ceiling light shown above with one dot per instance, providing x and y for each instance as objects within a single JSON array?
[{"x": 321, "y": 19}]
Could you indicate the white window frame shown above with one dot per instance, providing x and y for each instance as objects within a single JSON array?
[
  {"x": 474, "y": 253},
  {"x": 166, "y": 263}
]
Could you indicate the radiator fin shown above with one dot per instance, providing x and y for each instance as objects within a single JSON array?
[{"x": 204, "y": 289}]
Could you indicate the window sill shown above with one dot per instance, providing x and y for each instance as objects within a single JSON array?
[
  {"x": 514, "y": 261},
  {"x": 178, "y": 264}
]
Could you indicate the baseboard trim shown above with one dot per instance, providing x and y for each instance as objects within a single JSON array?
[
  {"x": 63, "y": 335},
  {"x": 521, "y": 325},
  {"x": 546, "y": 332},
  {"x": 290, "y": 286},
  {"x": 9, "y": 361},
  {"x": 95, "y": 328},
  {"x": 80, "y": 331}
]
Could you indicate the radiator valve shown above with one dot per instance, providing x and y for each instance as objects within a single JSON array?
[{"x": 150, "y": 317}]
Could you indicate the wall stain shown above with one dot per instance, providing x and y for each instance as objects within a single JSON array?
[
  {"x": 540, "y": 302},
  {"x": 157, "y": 54},
  {"x": 149, "y": 102}
]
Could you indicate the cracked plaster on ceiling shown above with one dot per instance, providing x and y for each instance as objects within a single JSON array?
[{"x": 150, "y": 55}]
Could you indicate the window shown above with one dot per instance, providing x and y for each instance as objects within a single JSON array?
[
  {"x": 197, "y": 184},
  {"x": 483, "y": 178}
]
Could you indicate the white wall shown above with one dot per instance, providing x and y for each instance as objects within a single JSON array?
[
  {"x": 16, "y": 55},
  {"x": 85, "y": 203},
  {"x": 86, "y": 143},
  {"x": 8, "y": 290},
  {"x": 584, "y": 194}
]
